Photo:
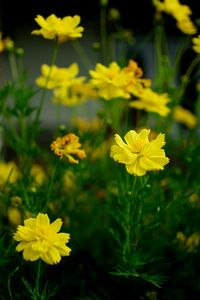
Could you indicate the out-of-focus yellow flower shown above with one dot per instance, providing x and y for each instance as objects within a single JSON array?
[
  {"x": 196, "y": 44},
  {"x": 69, "y": 181},
  {"x": 114, "y": 14},
  {"x": 181, "y": 237},
  {"x": 54, "y": 77},
  {"x": 193, "y": 242},
  {"x": 77, "y": 93},
  {"x": 14, "y": 216},
  {"x": 40, "y": 239},
  {"x": 181, "y": 13},
  {"x": 187, "y": 26},
  {"x": 110, "y": 81},
  {"x": 184, "y": 116},
  {"x": 85, "y": 125},
  {"x": 136, "y": 83},
  {"x": 68, "y": 146},
  {"x": 61, "y": 29},
  {"x": 6, "y": 43},
  {"x": 16, "y": 201},
  {"x": 37, "y": 172},
  {"x": 138, "y": 153},
  {"x": 151, "y": 101},
  {"x": 8, "y": 172}
]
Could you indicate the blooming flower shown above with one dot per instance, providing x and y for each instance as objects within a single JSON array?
[
  {"x": 68, "y": 146},
  {"x": 54, "y": 77},
  {"x": 76, "y": 93},
  {"x": 196, "y": 44},
  {"x": 110, "y": 81},
  {"x": 138, "y": 153},
  {"x": 184, "y": 116},
  {"x": 40, "y": 239},
  {"x": 181, "y": 13},
  {"x": 61, "y": 29},
  {"x": 152, "y": 101}
]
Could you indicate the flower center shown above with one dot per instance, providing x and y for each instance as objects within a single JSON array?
[
  {"x": 138, "y": 146},
  {"x": 41, "y": 233}
]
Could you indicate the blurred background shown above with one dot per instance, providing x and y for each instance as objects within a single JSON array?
[{"x": 17, "y": 21}]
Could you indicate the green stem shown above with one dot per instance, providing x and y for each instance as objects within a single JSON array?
[
  {"x": 41, "y": 104},
  {"x": 9, "y": 282},
  {"x": 187, "y": 75},
  {"x": 37, "y": 284},
  {"x": 82, "y": 54},
  {"x": 13, "y": 66},
  {"x": 103, "y": 35}
]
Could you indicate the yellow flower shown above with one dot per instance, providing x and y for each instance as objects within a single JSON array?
[
  {"x": 55, "y": 77},
  {"x": 111, "y": 81},
  {"x": 14, "y": 216},
  {"x": 37, "y": 172},
  {"x": 138, "y": 153},
  {"x": 56, "y": 28},
  {"x": 187, "y": 26},
  {"x": 6, "y": 43},
  {"x": 40, "y": 239},
  {"x": 8, "y": 171},
  {"x": 196, "y": 44},
  {"x": 77, "y": 93},
  {"x": 67, "y": 146},
  {"x": 184, "y": 116},
  {"x": 151, "y": 101},
  {"x": 136, "y": 83},
  {"x": 181, "y": 13},
  {"x": 86, "y": 125}
]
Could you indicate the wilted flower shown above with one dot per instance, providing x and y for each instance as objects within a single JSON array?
[
  {"x": 184, "y": 116},
  {"x": 68, "y": 146},
  {"x": 39, "y": 239},
  {"x": 61, "y": 29},
  {"x": 138, "y": 153},
  {"x": 152, "y": 102}
]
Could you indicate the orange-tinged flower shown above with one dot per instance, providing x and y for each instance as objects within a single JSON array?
[
  {"x": 138, "y": 153},
  {"x": 61, "y": 29},
  {"x": 68, "y": 146},
  {"x": 39, "y": 239}
]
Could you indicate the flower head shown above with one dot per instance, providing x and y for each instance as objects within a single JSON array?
[
  {"x": 196, "y": 44},
  {"x": 184, "y": 116},
  {"x": 151, "y": 101},
  {"x": 110, "y": 81},
  {"x": 39, "y": 239},
  {"x": 138, "y": 153},
  {"x": 68, "y": 146},
  {"x": 61, "y": 29},
  {"x": 8, "y": 172}
]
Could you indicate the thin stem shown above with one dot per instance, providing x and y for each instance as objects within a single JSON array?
[
  {"x": 37, "y": 285},
  {"x": 13, "y": 66},
  {"x": 53, "y": 60},
  {"x": 103, "y": 34},
  {"x": 9, "y": 282},
  {"x": 82, "y": 54}
]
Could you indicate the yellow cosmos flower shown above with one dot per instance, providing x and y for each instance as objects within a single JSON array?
[
  {"x": 68, "y": 146},
  {"x": 8, "y": 171},
  {"x": 55, "y": 77},
  {"x": 152, "y": 102},
  {"x": 40, "y": 239},
  {"x": 77, "y": 93},
  {"x": 181, "y": 13},
  {"x": 111, "y": 81},
  {"x": 136, "y": 83},
  {"x": 138, "y": 153},
  {"x": 196, "y": 44},
  {"x": 187, "y": 26},
  {"x": 38, "y": 174},
  {"x": 56, "y": 28},
  {"x": 184, "y": 116}
]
